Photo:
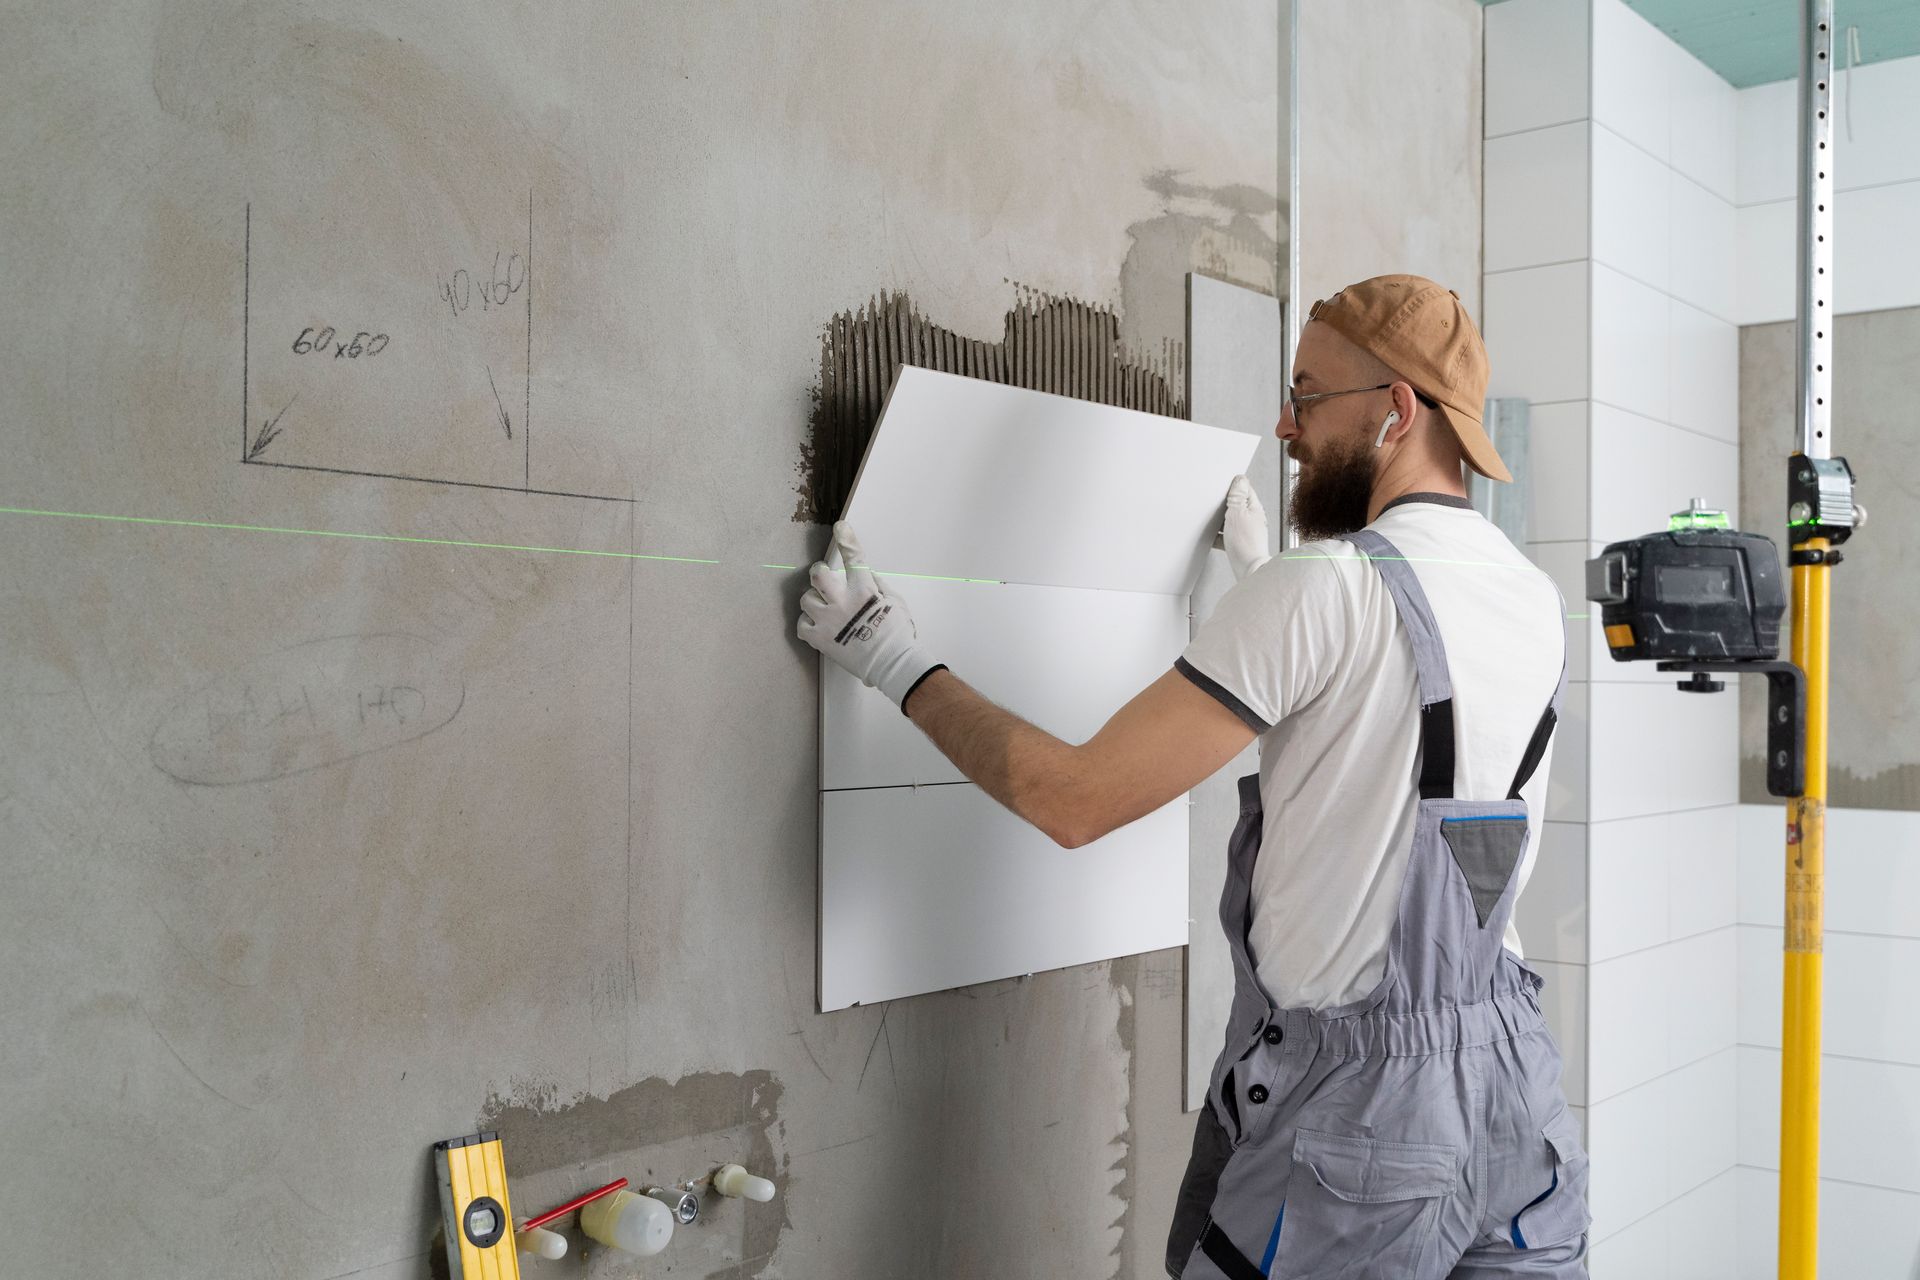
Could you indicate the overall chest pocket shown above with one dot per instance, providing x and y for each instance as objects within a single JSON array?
[{"x": 1360, "y": 1207}]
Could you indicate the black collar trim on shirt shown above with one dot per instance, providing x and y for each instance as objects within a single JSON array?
[{"x": 1441, "y": 499}]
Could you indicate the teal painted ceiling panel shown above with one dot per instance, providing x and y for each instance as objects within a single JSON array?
[{"x": 1752, "y": 42}]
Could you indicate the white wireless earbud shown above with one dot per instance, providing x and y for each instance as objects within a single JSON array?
[{"x": 1385, "y": 427}]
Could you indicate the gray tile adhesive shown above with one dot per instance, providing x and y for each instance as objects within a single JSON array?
[{"x": 1053, "y": 344}]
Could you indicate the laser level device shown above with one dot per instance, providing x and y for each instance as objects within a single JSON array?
[
  {"x": 475, "y": 1213},
  {"x": 1706, "y": 599}
]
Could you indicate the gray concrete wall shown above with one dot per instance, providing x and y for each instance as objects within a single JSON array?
[
  {"x": 1390, "y": 143},
  {"x": 319, "y": 848},
  {"x": 1874, "y": 706}
]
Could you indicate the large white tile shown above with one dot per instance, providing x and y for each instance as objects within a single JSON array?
[
  {"x": 1630, "y": 208},
  {"x": 1557, "y": 475},
  {"x": 1876, "y": 267},
  {"x": 1873, "y": 869},
  {"x": 1702, "y": 1122},
  {"x": 1567, "y": 782},
  {"x": 1639, "y": 1251},
  {"x": 1870, "y": 987},
  {"x": 1767, "y": 125},
  {"x": 1869, "y": 1118},
  {"x": 1552, "y": 912},
  {"x": 1702, "y": 995},
  {"x": 1701, "y": 871},
  {"x": 927, "y": 888},
  {"x": 1627, "y": 1140},
  {"x": 1642, "y": 471},
  {"x": 1632, "y": 71},
  {"x": 1536, "y": 72},
  {"x": 1704, "y": 1231},
  {"x": 1655, "y": 749},
  {"x": 1704, "y": 373},
  {"x": 1704, "y": 249},
  {"x": 1864, "y": 1231},
  {"x": 1628, "y": 1029},
  {"x": 1563, "y": 1001},
  {"x": 1536, "y": 332},
  {"x": 1764, "y": 262},
  {"x": 1565, "y": 563},
  {"x": 1627, "y": 881},
  {"x": 1884, "y": 146},
  {"x": 1630, "y": 344},
  {"x": 1535, "y": 197},
  {"x": 1705, "y": 124}
]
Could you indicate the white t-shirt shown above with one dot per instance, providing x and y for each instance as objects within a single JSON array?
[{"x": 1309, "y": 651}]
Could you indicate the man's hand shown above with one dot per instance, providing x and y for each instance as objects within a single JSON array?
[
  {"x": 849, "y": 617},
  {"x": 1244, "y": 535}
]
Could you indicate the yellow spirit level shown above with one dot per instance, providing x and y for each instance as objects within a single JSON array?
[{"x": 477, "y": 1216}]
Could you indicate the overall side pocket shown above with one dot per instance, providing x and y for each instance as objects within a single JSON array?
[{"x": 1361, "y": 1207}]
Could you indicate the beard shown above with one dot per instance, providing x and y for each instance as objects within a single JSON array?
[{"x": 1331, "y": 493}]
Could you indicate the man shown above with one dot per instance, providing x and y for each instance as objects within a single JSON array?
[{"x": 1387, "y": 1102}]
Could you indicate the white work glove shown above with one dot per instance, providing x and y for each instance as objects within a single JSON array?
[
  {"x": 851, "y": 618},
  {"x": 1244, "y": 535}
]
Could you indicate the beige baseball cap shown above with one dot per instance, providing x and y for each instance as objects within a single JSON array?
[{"x": 1422, "y": 332}]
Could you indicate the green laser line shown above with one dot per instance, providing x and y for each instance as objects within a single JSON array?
[{"x": 343, "y": 533}]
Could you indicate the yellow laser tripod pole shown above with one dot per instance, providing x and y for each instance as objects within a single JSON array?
[{"x": 1808, "y": 521}]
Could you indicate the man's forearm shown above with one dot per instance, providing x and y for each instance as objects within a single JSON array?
[{"x": 1024, "y": 767}]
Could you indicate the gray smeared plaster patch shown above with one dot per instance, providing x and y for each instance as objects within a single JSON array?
[
  {"x": 1231, "y": 233},
  {"x": 538, "y": 1132},
  {"x": 1124, "y": 975}
]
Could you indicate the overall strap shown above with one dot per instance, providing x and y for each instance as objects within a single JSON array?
[{"x": 1429, "y": 661}]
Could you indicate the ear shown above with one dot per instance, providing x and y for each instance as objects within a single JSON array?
[{"x": 1408, "y": 406}]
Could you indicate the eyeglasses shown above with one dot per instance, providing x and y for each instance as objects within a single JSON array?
[{"x": 1296, "y": 400}]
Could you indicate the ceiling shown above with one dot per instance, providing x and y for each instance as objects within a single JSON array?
[{"x": 1752, "y": 42}]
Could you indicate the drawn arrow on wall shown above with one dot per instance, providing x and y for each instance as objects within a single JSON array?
[
  {"x": 505, "y": 421},
  {"x": 269, "y": 431}
]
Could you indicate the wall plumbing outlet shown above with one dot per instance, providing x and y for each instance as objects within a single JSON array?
[
  {"x": 733, "y": 1180},
  {"x": 685, "y": 1204}
]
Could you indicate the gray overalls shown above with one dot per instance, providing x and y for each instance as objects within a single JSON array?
[{"x": 1418, "y": 1132}]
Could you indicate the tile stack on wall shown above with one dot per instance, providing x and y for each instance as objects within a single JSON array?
[{"x": 1610, "y": 301}]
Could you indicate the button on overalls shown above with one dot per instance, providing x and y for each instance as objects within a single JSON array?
[{"x": 1420, "y": 1131}]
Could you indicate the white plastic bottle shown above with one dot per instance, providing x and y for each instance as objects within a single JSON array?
[{"x": 638, "y": 1224}]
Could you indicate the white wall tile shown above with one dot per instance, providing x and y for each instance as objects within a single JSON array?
[
  {"x": 1627, "y": 1140},
  {"x": 1876, "y": 266},
  {"x": 1632, "y": 70},
  {"x": 1873, "y": 869},
  {"x": 1867, "y": 994},
  {"x": 1536, "y": 332},
  {"x": 1884, "y": 146},
  {"x": 1642, "y": 471},
  {"x": 1536, "y": 197},
  {"x": 1764, "y": 262},
  {"x": 1627, "y": 885},
  {"x": 1563, "y": 1001},
  {"x": 1640, "y": 1251},
  {"x": 1630, "y": 343},
  {"x": 1631, "y": 208},
  {"x": 1702, "y": 1012},
  {"x": 1704, "y": 249},
  {"x": 1869, "y": 1118},
  {"x": 1864, "y": 1231},
  {"x": 1703, "y": 847},
  {"x": 1655, "y": 749},
  {"x": 1704, "y": 1230},
  {"x": 1705, "y": 114},
  {"x": 1702, "y": 1121},
  {"x": 1705, "y": 373},
  {"x": 1767, "y": 129},
  {"x": 1537, "y": 58},
  {"x": 1557, "y": 475},
  {"x": 1552, "y": 913},
  {"x": 1628, "y": 1030}
]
